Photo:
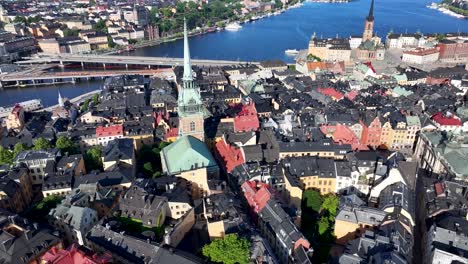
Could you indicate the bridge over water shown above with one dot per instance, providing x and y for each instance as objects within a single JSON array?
[{"x": 106, "y": 60}]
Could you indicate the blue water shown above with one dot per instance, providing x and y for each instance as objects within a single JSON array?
[
  {"x": 270, "y": 37},
  {"x": 48, "y": 94}
]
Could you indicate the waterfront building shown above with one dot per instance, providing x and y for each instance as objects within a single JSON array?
[
  {"x": 332, "y": 49},
  {"x": 420, "y": 56},
  {"x": 405, "y": 41},
  {"x": 453, "y": 50},
  {"x": 190, "y": 106}
]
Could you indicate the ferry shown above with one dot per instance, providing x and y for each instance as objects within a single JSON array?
[
  {"x": 233, "y": 26},
  {"x": 28, "y": 106},
  {"x": 291, "y": 52}
]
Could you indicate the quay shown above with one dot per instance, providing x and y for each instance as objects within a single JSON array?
[{"x": 75, "y": 100}]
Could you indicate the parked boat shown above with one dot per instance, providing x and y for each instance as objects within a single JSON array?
[
  {"x": 233, "y": 26},
  {"x": 291, "y": 52}
]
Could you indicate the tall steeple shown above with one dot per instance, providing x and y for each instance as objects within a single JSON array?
[
  {"x": 369, "y": 24},
  {"x": 60, "y": 99},
  {"x": 187, "y": 64},
  {"x": 370, "y": 17},
  {"x": 190, "y": 106}
]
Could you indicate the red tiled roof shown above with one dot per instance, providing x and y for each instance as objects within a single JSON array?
[
  {"x": 421, "y": 52},
  {"x": 257, "y": 194},
  {"x": 343, "y": 134},
  {"x": 232, "y": 156},
  {"x": 74, "y": 255},
  {"x": 442, "y": 120},
  {"x": 439, "y": 188},
  {"x": 351, "y": 95},
  {"x": 110, "y": 131},
  {"x": 246, "y": 119},
  {"x": 331, "y": 92}
]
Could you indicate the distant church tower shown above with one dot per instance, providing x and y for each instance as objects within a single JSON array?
[
  {"x": 190, "y": 105},
  {"x": 369, "y": 25},
  {"x": 60, "y": 100}
]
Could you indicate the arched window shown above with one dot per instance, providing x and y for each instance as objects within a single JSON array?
[{"x": 192, "y": 126}]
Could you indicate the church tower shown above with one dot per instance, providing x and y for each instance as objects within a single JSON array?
[
  {"x": 190, "y": 105},
  {"x": 369, "y": 25}
]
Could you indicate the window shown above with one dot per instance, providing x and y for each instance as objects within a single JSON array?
[{"x": 192, "y": 126}]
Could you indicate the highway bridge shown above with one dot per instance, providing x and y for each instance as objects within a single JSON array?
[{"x": 107, "y": 60}]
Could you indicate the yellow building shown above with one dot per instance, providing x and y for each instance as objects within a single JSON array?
[
  {"x": 351, "y": 222},
  {"x": 330, "y": 49},
  {"x": 313, "y": 173},
  {"x": 314, "y": 149},
  {"x": 386, "y": 138}
]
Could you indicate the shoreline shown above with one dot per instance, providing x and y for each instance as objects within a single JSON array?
[
  {"x": 442, "y": 9},
  {"x": 207, "y": 30}
]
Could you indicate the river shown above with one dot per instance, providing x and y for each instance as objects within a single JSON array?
[{"x": 268, "y": 38}]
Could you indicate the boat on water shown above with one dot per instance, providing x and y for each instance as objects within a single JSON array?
[
  {"x": 291, "y": 52},
  {"x": 28, "y": 106},
  {"x": 233, "y": 26},
  {"x": 433, "y": 6}
]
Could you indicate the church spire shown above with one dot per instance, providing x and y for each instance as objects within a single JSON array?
[
  {"x": 187, "y": 64},
  {"x": 370, "y": 17},
  {"x": 60, "y": 99}
]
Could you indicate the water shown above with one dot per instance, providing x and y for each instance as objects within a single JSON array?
[
  {"x": 48, "y": 94},
  {"x": 268, "y": 38}
]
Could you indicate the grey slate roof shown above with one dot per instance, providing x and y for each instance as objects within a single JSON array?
[{"x": 136, "y": 251}]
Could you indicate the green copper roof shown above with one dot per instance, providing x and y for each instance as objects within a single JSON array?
[
  {"x": 187, "y": 153},
  {"x": 402, "y": 91},
  {"x": 400, "y": 77},
  {"x": 413, "y": 121}
]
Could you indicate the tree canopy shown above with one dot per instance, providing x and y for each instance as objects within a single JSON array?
[
  {"x": 66, "y": 145},
  {"x": 92, "y": 158},
  {"x": 228, "y": 250},
  {"x": 6, "y": 156},
  {"x": 313, "y": 199},
  {"x": 42, "y": 144}
]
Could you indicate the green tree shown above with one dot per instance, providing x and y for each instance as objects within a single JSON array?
[
  {"x": 101, "y": 26},
  {"x": 313, "y": 200},
  {"x": 330, "y": 205},
  {"x": 20, "y": 19},
  {"x": 228, "y": 250},
  {"x": 323, "y": 225},
  {"x": 70, "y": 32},
  {"x": 19, "y": 147},
  {"x": 41, "y": 144},
  {"x": 92, "y": 158},
  {"x": 440, "y": 37},
  {"x": 312, "y": 57},
  {"x": 95, "y": 99},
  {"x": 85, "y": 105},
  {"x": 110, "y": 43},
  {"x": 6, "y": 156},
  {"x": 148, "y": 168},
  {"x": 66, "y": 145}
]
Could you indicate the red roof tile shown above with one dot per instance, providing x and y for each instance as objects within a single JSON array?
[
  {"x": 110, "y": 131},
  {"x": 442, "y": 120},
  {"x": 231, "y": 156}
]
